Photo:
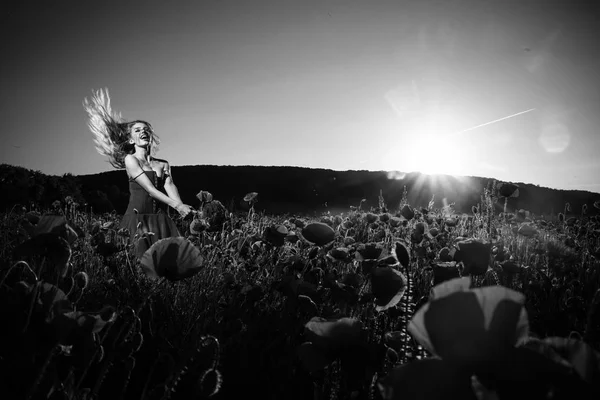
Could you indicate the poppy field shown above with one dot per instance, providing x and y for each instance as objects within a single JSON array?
[{"x": 394, "y": 302}]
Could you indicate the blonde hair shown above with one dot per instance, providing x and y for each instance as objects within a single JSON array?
[{"x": 111, "y": 133}]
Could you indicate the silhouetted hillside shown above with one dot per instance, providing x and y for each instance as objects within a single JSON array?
[{"x": 303, "y": 190}]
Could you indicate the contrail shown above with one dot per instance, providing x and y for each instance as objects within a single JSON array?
[{"x": 497, "y": 120}]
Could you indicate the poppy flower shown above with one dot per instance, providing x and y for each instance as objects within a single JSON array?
[
  {"x": 306, "y": 305},
  {"x": 572, "y": 353},
  {"x": 292, "y": 237},
  {"x": 395, "y": 222},
  {"x": 370, "y": 218},
  {"x": 369, "y": 251},
  {"x": 407, "y": 212},
  {"x": 204, "y": 196},
  {"x": 32, "y": 217},
  {"x": 349, "y": 240},
  {"x": 299, "y": 223},
  {"x": 275, "y": 234},
  {"x": 340, "y": 253},
  {"x": 318, "y": 233},
  {"x": 80, "y": 323},
  {"x": 388, "y": 286},
  {"x": 56, "y": 224},
  {"x": 341, "y": 293},
  {"x": 251, "y": 197},
  {"x": 371, "y": 255},
  {"x": 49, "y": 245},
  {"x": 173, "y": 258},
  {"x": 198, "y": 225},
  {"x": 508, "y": 190},
  {"x": 444, "y": 271},
  {"x": 420, "y": 228},
  {"x": 527, "y": 230},
  {"x": 510, "y": 267},
  {"x": 446, "y": 255},
  {"x": 402, "y": 254},
  {"x": 451, "y": 222},
  {"x": 333, "y": 334},
  {"x": 474, "y": 255},
  {"x": 470, "y": 327}
]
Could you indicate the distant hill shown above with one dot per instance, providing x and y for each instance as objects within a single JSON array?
[{"x": 288, "y": 189}]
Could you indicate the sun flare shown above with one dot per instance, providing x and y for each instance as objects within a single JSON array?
[
  {"x": 436, "y": 154},
  {"x": 430, "y": 154}
]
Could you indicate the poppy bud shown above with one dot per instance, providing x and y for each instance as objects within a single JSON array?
[
  {"x": 81, "y": 280},
  {"x": 210, "y": 382}
]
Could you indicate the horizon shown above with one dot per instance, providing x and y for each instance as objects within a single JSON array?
[
  {"x": 392, "y": 175},
  {"x": 498, "y": 90}
]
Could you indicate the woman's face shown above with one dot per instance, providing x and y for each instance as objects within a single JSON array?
[{"x": 141, "y": 135}]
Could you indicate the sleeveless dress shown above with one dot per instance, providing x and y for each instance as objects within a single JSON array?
[{"x": 152, "y": 215}]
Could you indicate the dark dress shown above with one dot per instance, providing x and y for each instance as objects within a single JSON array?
[{"x": 152, "y": 215}]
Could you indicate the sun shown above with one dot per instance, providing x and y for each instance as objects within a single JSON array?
[
  {"x": 430, "y": 154},
  {"x": 430, "y": 142},
  {"x": 434, "y": 154}
]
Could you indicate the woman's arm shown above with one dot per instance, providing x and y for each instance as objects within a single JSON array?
[
  {"x": 170, "y": 187},
  {"x": 134, "y": 169}
]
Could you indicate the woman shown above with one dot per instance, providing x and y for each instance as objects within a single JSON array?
[{"x": 132, "y": 145}]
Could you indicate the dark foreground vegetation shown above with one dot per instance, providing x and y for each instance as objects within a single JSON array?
[{"x": 337, "y": 306}]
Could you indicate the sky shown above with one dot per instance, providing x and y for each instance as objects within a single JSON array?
[{"x": 339, "y": 84}]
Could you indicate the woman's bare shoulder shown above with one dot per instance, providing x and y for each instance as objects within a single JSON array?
[{"x": 130, "y": 159}]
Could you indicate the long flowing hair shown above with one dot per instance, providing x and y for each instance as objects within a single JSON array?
[{"x": 111, "y": 132}]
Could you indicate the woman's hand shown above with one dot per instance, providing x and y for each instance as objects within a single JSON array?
[{"x": 184, "y": 210}]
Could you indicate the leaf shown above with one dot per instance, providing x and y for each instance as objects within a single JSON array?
[
  {"x": 174, "y": 258},
  {"x": 388, "y": 286}
]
